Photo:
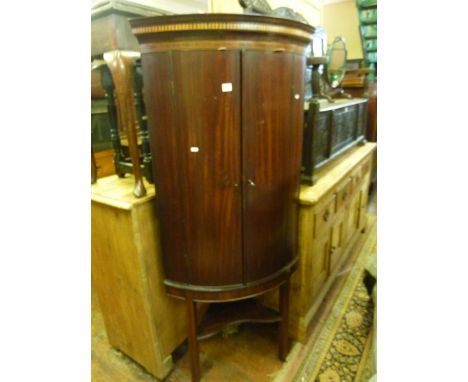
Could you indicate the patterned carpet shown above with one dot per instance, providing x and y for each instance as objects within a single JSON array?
[
  {"x": 339, "y": 351},
  {"x": 343, "y": 359}
]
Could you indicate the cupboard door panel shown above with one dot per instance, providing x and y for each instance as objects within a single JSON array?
[
  {"x": 321, "y": 263},
  {"x": 272, "y": 124},
  {"x": 362, "y": 214},
  {"x": 195, "y": 140}
]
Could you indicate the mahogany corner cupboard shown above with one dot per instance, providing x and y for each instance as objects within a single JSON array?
[{"x": 224, "y": 99}]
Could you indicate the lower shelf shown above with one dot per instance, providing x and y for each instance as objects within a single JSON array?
[{"x": 221, "y": 315}]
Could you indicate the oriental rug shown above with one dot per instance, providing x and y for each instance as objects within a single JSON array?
[{"x": 338, "y": 350}]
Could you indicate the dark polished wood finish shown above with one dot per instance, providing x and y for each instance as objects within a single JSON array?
[
  {"x": 284, "y": 323},
  {"x": 368, "y": 90},
  {"x": 225, "y": 162},
  {"x": 331, "y": 129},
  {"x": 272, "y": 137},
  {"x": 241, "y": 291},
  {"x": 219, "y": 316},
  {"x": 224, "y": 97},
  {"x": 199, "y": 193},
  {"x": 194, "y": 347},
  {"x": 121, "y": 67}
]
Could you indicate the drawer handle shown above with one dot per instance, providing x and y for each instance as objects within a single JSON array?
[
  {"x": 326, "y": 215},
  {"x": 345, "y": 195},
  {"x": 251, "y": 182}
]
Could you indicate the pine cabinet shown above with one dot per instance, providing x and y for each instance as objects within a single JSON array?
[
  {"x": 332, "y": 218},
  {"x": 224, "y": 99},
  {"x": 127, "y": 274},
  {"x": 333, "y": 214}
]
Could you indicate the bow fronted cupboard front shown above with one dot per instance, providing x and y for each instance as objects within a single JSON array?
[
  {"x": 224, "y": 95},
  {"x": 224, "y": 100}
]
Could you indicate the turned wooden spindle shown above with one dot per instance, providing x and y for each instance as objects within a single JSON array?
[
  {"x": 142, "y": 121},
  {"x": 108, "y": 85},
  {"x": 121, "y": 64},
  {"x": 93, "y": 168}
]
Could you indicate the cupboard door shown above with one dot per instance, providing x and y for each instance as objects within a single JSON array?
[
  {"x": 320, "y": 263},
  {"x": 362, "y": 213},
  {"x": 195, "y": 142},
  {"x": 336, "y": 247},
  {"x": 272, "y": 124}
]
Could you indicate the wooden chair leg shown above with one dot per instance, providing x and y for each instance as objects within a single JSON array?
[
  {"x": 192, "y": 339},
  {"x": 284, "y": 323},
  {"x": 121, "y": 64},
  {"x": 93, "y": 168}
]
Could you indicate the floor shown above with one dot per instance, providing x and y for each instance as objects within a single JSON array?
[{"x": 249, "y": 355}]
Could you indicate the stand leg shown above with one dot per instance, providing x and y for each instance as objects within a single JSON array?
[
  {"x": 121, "y": 64},
  {"x": 284, "y": 323},
  {"x": 192, "y": 339}
]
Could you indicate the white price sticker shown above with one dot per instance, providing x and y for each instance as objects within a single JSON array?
[{"x": 226, "y": 87}]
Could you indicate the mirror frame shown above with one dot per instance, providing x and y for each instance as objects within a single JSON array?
[{"x": 335, "y": 83}]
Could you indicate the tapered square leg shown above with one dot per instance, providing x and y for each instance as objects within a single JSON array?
[
  {"x": 284, "y": 323},
  {"x": 192, "y": 339}
]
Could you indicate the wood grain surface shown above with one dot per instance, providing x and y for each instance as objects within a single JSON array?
[{"x": 128, "y": 277}]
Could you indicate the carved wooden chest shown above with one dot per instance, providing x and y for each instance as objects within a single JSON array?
[{"x": 330, "y": 129}]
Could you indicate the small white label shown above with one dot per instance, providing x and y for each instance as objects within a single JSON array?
[
  {"x": 226, "y": 87},
  {"x": 194, "y": 149}
]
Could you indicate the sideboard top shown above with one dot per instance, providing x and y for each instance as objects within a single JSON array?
[{"x": 333, "y": 172}]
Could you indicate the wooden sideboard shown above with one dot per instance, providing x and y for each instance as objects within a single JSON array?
[
  {"x": 140, "y": 319},
  {"x": 332, "y": 215}
]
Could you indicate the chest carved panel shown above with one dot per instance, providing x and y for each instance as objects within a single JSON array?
[{"x": 330, "y": 130}]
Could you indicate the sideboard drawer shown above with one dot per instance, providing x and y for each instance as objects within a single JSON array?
[
  {"x": 366, "y": 167},
  {"x": 324, "y": 215},
  {"x": 356, "y": 177},
  {"x": 343, "y": 194}
]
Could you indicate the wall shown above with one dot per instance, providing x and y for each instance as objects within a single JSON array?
[
  {"x": 341, "y": 19},
  {"x": 167, "y": 6}
]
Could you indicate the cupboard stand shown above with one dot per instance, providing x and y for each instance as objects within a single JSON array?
[{"x": 233, "y": 308}]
